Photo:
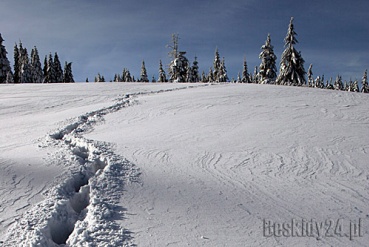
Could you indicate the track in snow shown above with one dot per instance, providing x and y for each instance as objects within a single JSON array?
[{"x": 83, "y": 208}]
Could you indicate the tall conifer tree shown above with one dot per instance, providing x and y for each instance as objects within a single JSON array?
[
  {"x": 195, "y": 71},
  {"x": 292, "y": 70},
  {"x": 37, "y": 73},
  {"x": 4, "y": 62},
  {"x": 245, "y": 73},
  {"x": 25, "y": 67},
  {"x": 50, "y": 72},
  {"x": 162, "y": 75},
  {"x": 16, "y": 64},
  {"x": 223, "y": 76},
  {"x": 267, "y": 69},
  {"x": 216, "y": 66},
  {"x": 67, "y": 73},
  {"x": 58, "y": 69},
  {"x": 143, "y": 75},
  {"x": 365, "y": 88}
]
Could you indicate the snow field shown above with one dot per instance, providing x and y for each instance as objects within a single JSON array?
[
  {"x": 52, "y": 221},
  {"x": 192, "y": 167},
  {"x": 217, "y": 161}
]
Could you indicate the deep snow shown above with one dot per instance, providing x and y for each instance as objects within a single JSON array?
[{"x": 198, "y": 166}]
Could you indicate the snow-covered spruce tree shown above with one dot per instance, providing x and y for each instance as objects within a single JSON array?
[
  {"x": 99, "y": 78},
  {"x": 319, "y": 83},
  {"x": 245, "y": 73},
  {"x": 4, "y": 62},
  {"x": 16, "y": 64},
  {"x": 58, "y": 69},
  {"x": 50, "y": 71},
  {"x": 143, "y": 74},
  {"x": 188, "y": 77},
  {"x": 67, "y": 73},
  {"x": 123, "y": 77},
  {"x": 267, "y": 69},
  {"x": 25, "y": 67},
  {"x": 292, "y": 70},
  {"x": 365, "y": 87},
  {"x": 183, "y": 67},
  {"x": 173, "y": 54},
  {"x": 350, "y": 86},
  {"x": 195, "y": 71},
  {"x": 216, "y": 66},
  {"x": 37, "y": 73},
  {"x": 255, "y": 78},
  {"x": 329, "y": 84},
  {"x": 345, "y": 86},
  {"x": 238, "y": 78},
  {"x": 44, "y": 70},
  {"x": 203, "y": 77},
  {"x": 355, "y": 87},
  {"x": 223, "y": 76},
  {"x": 162, "y": 76},
  {"x": 116, "y": 78},
  {"x": 338, "y": 85},
  {"x": 127, "y": 76},
  {"x": 18, "y": 61},
  {"x": 310, "y": 76},
  {"x": 179, "y": 68},
  {"x": 210, "y": 77}
]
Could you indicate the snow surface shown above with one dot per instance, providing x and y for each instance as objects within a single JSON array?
[{"x": 114, "y": 164}]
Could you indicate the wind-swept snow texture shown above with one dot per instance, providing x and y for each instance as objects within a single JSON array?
[
  {"x": 224, "y": 165},
  {"x": 217, "y": 161}
]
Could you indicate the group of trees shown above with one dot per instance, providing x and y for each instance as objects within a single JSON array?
[
  {"x": 291, "y": 72},
  {"x": 29, "y": 69}
]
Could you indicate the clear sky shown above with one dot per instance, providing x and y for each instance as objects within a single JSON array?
[{"x": 107, "y": 35}]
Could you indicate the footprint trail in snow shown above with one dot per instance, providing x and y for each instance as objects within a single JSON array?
[{"x": 84, "y": 206}]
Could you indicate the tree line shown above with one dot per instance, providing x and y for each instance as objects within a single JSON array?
[
  {"x": 291, "y": 72},
  {"x": 28, "y": 69}
]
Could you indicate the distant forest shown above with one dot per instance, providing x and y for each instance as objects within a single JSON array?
[
  {"x": 28, "y": 69},
  {"x": 291, "y": 73}
]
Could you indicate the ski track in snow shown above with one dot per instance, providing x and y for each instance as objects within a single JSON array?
[{"x": 82, "y": 209}]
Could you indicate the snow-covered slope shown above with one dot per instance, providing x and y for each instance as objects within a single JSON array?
[
  {"x": 30, "y": 164},
  {"x": 205, "y": 166}
]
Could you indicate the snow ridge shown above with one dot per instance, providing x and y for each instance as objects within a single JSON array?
[{"x": 82, "y": 209}]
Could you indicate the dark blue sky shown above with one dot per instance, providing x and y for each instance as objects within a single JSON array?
[{"x": 106, "y": 36}]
